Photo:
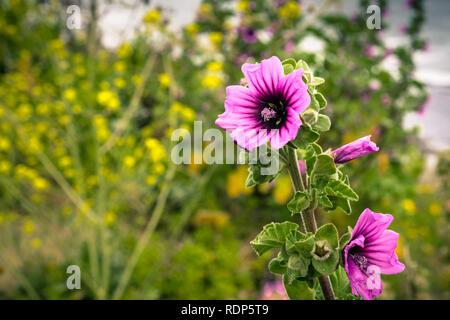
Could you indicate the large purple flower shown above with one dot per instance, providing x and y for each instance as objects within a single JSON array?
[
  {"x": 371, "y": 252},
  {"x": 355, "y": 149},
  {"x": 268, "y": 109}
]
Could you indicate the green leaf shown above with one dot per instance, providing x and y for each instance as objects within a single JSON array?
[
  {"x": 299, "y": 202},
  {"x": 305, "y": 136},
  {"x": 290, "y": 62},
  {"x": 316, "y": 81},
  {"x": 324, "y": 165},
  {"x": 298, "y": 290},
  {"x": 329, "y": 233},
  {"x": 340, "y": 284},
  {"x": 340, "y": 189},
  {"x": 257, "y": 176},
  {"x": 310, "y": 116},
  {"x": 341, "y": 203},
  {"x": 302, "y": 65},
  {"x": 314, "y": 104},
  {"x": 278, "y": 265},
  {"x": 287, "y": 68},
  {"x": 328, "y": 265},
  {"x": 305, "y": 247},
  {"x": 345, "y": 239},
  {"x": 325, "y": 202},
  {"x": 321, "y": 100},
  {"x": 297, "y": 267},
  {"x": 323, "y": 123},
  {"x": 272, "y": 236}
]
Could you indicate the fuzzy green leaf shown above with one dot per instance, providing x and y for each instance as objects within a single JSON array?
[
  {"x": 298, "y": 290},
  {"x": 305, "y": 136},
  {"x": 328, "y": 232},
  {"x": 338, "y": 188},
  {"x": 299, "y": 202},
  {"x": 327, "y": 266},
  {"x": 322, "y": 123},
  {"x": 321, "y": 100},
  {"x": 324, "y": 165},
  {"x": 272, "y": 236}
]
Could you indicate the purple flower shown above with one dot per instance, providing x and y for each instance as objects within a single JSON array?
[
  {"x": 369, "y": 51},
  {"x": 274, "y": 291},
  {"x": 268, "y": 109},
  {"x": 355, "y": 149},
  {"x": 248, "y": 34},
  {"x": 371, "y": 252}
]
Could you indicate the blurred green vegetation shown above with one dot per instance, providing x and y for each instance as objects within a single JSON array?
[{"x": 85, "y": 170}]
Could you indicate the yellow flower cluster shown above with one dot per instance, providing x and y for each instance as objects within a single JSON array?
[
  {"x": 164, "y": 80},
  {"x": 102, "y": 129},
  {"x": 213, "y": 77},
  {"x": 290, "y": 10},
  {"x": 236, "y": 182},
  {"x": 108, "y": 99},
  {"x": 216, "y": 219},
  {"x": 152, "y": 16},
  {"x": 157, "y": 155},
  {"x": 186, "y": 114},
  {"x": 22, "y": 172}
]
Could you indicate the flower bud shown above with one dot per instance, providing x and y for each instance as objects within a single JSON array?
[{"x": 355, "y": 149}]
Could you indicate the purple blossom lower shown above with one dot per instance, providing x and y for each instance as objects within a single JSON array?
[
  {"x": 371, "y": 252},
  {"x": 268, "y": 109},
  {"x": 355, "y": 149}
]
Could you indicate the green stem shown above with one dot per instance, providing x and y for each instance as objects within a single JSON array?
[
  {"x": 308, "y": 218},
  {"x": 148, "y": 232}
]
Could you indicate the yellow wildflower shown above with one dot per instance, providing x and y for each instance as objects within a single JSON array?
[
  {"x": 120, "y": 66},
  {"x": 211, "y": 81},
  {"x": 214, "y": 219},
  {"x": 435, "y": 209},
  {"x": 290, "y": 10},
  {"x": 124, "y": 50},
  {"x": 205, "y": 9},
  {"x": 70, "y": 94},
  {"x": 164, "y": 80},
  {"x": 192, "y": 29},
  {"x": 28, "y": 227},
  {"x": 4, "y": 144},
  {"x": 129, "y": 161},
  {"x": 5, "y": 167},
  {"x": 110, "y": 218},
  {"x": 119, "y": 83},
  {"x": 76, "y": 109},
  {"x": 282, "y": 191},
  {"x": 36, "y": 243},
  {"x": 152, "y": 16},
  {"x": 216, "y": 38},
  {"x": 409, "y": 206},
  {"x": 214, "y": 66},
  {"x": 236, "y": 182},
  {"x": 40, "y": 183},
  {"x": 243, "y": 6},
  {"x": 151, "y": 180}
]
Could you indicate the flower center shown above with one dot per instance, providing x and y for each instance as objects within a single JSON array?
[
  {"x": 273, "y": 114},
  {"x": 268, "y": 114},
  {"x": 360, "y": 261}
]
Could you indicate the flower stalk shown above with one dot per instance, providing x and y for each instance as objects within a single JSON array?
[{"x": 307, "y": 216}]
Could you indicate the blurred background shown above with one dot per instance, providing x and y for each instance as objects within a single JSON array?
[{"x": 87, "y": 111}]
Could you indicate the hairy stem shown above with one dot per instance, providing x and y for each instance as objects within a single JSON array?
[{"x": 308, "y": 218}]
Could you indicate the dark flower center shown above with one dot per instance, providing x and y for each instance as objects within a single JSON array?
[
  {"x": 273, "y": 114},
  {"x": 360, "y": 261}
]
